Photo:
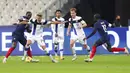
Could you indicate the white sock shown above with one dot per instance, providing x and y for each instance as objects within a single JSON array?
[
  {"x": 25, "y": 53},
  {"x": 88, "y": 49},
  {"x": 61, "y": 53},
  {"x": 73, "y": 51},
  {"x": 51, "y": 57}
]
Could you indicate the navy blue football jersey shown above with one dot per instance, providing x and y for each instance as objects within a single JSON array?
[{"x": 101, "y": 27}]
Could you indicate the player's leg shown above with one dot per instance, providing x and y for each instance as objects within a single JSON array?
[
  {"x": 72, "y": 42},
  {"x": 27, "y": 51},
  {"x": 84, "y": 43},
  {"x": 56, "y": 43},
  {"x": 26, "y": 44},
  {"x": 92, "y": 54},
  {"x": 114, "y": 49},
  {"x": 61, "y": 46},
  {"x": 14, "y": 44},
  {"x": 42, "y": 44}
]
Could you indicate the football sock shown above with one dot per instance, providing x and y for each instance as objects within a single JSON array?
[
  {"x": 29, "y": 53},
  {"x": 9, "y": 52},
  {"x": 93, "y": 52},
  {"x": 118, "y": 49},
  {"x": 73, "y": 51},
  {"x": 61, "y": 52},
  {"x": 88, "y": 49}
]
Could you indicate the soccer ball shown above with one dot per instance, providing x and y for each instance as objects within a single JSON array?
[{"x": 28, "y": 59}]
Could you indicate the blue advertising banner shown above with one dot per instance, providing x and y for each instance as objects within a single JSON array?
[{"x": 120, "y": 37}]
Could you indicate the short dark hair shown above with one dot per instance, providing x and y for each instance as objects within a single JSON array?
[
  {"x": 39, "y": 14},
  {"x": 28, "y": 12},
  {"x": 58, "y": 11}
]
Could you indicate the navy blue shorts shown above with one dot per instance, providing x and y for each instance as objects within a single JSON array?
[
  {"x": 18, "y": 38},
  {"x": 103, "y": 40}
]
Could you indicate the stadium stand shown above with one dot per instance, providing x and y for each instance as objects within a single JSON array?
[{"x": 11, "y": 10}]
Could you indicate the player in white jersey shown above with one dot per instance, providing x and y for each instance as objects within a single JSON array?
[
  {"x": 36, "y": 35},
  {"x": 58, "y": 34},
  {"x": 77, "y": 33}
]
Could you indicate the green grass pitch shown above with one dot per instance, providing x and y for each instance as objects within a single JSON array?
[{"x": 101, "y": 64}]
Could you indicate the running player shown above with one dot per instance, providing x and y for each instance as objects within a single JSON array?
[
  {"x": 101, "y": 27},
  {"x": 78, "y": 33},
  {"x": 18, "y": 35},
  {"x": 36, "y": 35},
  {"x": 58, "y": 34}
]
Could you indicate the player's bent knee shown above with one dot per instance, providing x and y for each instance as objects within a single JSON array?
[
  {"x": 71, "y": 44},
  {"x": 14, "y": 44},
  {"x": 43, "y": 47},
  {"x": 29, "y": 42},
  {"x": 85, "y": 46}
]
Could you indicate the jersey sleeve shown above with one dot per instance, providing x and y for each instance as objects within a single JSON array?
[
  {"x": 53, "y": 19},
  {"x": 32, "y": 21},
  {"x": 70, "y": 21},
  {"x": 95, "y": 26},
  {"x": 107, "y": 23},
  {"x": 45, "y": 22},
  {"x": 83, "y": 22}
]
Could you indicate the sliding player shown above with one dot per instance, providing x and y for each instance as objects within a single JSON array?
[
  {"x": 58, "y": 34},
  {"x": 78, "y": 33},
  {"x": 101, "y": 27}
]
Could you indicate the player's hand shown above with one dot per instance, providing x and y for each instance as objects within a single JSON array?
[{"x": 57, "y": 22}]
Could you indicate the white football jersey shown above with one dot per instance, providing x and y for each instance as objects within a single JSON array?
[
  {"x": 37, "y": 28},
  {"x": 58, "y": 28},
  {"x": 77, "y": 25}
]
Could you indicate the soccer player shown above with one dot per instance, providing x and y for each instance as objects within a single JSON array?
[
  {"x": 36, "y": 35},
  {"x": 101, "y": 27},
  {"x": 18, "y": 35},
  {"x": 78, "y": 33},
  {"x": 58, "y": 34}
]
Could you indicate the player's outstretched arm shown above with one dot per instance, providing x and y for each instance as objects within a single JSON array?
[
  {"x": 68, "y": 30},
  {"x": 56, "y": 22},
  {"x": 94, "y": 31}
]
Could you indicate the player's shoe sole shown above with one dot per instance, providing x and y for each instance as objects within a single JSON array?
[{"x": 126, "y": 51}]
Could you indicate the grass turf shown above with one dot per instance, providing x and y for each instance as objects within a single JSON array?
[{"x": 101, "y": 64}]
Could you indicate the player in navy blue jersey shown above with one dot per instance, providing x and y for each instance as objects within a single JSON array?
[
  {"x": 101, "y": 27},
  {"x": 18, "y": 35}
]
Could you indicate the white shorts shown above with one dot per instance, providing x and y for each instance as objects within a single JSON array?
[
  {"x": 38, "y": 39},
  {"x": 59, "y": 39},
  {"x": 78, "y": 38}
]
